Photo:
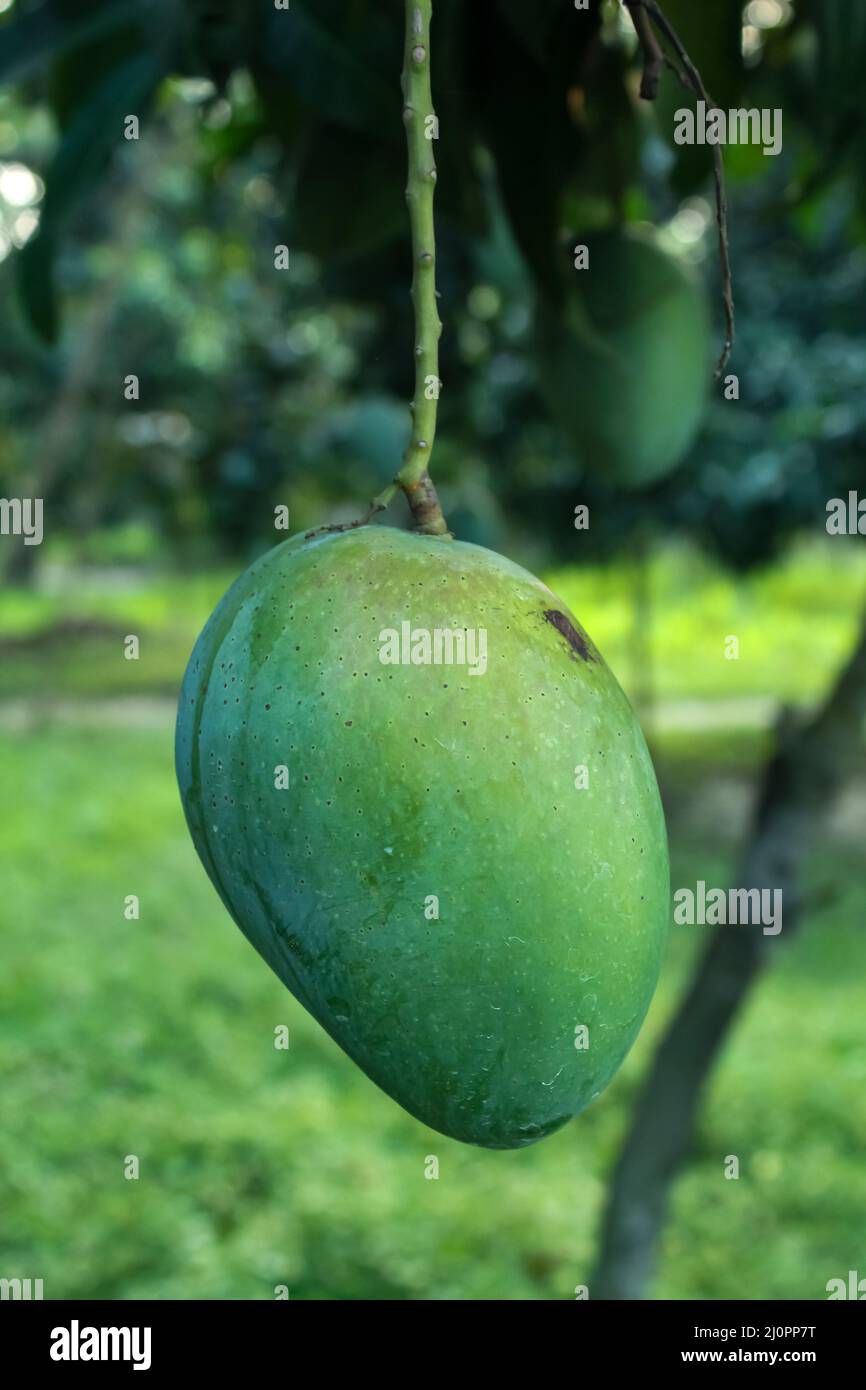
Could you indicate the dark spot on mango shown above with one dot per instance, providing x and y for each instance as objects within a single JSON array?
[{"x": 575, "y": 639}]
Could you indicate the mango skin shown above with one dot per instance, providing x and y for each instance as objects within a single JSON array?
[{"x": 408, "y": 781}]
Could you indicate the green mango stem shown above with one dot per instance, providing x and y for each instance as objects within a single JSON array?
[{"x": 414, "y": 477}]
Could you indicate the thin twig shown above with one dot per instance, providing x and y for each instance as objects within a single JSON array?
[
  {"x": 642, "y": 12},
  {"x": 654, "y": 57},
  {"x": 378, "y": 504}
]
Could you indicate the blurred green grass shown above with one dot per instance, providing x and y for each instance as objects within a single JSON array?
[
  {"x": 794, "y": 622},
  {"x": 261, "y": 1167}
]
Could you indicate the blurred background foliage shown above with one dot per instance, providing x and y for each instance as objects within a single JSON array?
[{"x": 258, "y": 388}]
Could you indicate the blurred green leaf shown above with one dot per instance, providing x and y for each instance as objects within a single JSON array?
[
  {"x": 712, "y": 36},
  {"x": 533, "y": 25},
  {"x": 93, "y": 134},
  {"x": 841, "y": 30},
  {"x": 458, "y": 191},
  {"x": 527, "y": 121},
  {"x": 31, "y": 40},
  {"x": 78, "y": 71},
  {"x": 346, "y": 168},
  {"x": 330, "y": 55}
]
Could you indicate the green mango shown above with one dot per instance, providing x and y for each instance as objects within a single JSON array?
[
  {"x": 625, "y": 362},
  {"x": 431, "y": 885}
]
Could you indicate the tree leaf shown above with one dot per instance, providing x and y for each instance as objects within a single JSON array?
[
  {"x": 525, "y": 115},
  {"x": 711, "y": 33},
  {"x": 342, "y": 169},
  {"x": 841, "y": 30},
  {"x": 92, "y": 136},
  {"x": 533, "y": 24},
  {"x": 29, "y": 41},
  {"x": 339, "y": 60}
]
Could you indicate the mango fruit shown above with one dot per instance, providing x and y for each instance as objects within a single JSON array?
[
  {"x": 379, "y": 748},
  {"x": 625, "y": 361}
]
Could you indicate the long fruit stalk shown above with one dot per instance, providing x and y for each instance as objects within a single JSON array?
[{"x": 419, "y": 119}]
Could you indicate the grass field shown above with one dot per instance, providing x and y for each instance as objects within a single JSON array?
[{"x": 258, "y": 1167}]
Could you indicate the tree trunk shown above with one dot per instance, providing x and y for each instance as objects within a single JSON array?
[{"x": 809, "y": 768}]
